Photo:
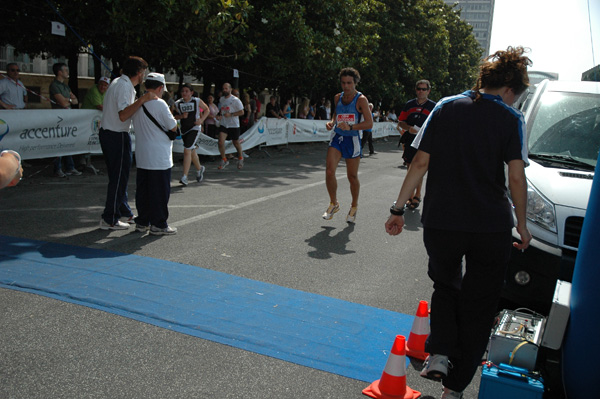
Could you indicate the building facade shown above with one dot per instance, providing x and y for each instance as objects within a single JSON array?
[{"x": 480, "y": 15}]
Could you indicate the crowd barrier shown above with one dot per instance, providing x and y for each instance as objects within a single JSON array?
[{"x": 50, "y": 133}]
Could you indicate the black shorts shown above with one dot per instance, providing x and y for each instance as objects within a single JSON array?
[
  {"x": 190, "y": 139},
  {"x": 233, "y": 133}
]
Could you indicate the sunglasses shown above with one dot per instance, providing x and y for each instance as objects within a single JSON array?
[{"x": 422, "y": 88}]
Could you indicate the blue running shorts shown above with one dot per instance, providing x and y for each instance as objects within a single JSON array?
[{"x": 349, "y": 146}]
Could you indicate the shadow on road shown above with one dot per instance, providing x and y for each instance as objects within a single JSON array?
[{"x": 326, "y": 244}]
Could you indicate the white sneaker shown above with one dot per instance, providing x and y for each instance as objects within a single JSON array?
[
  {"x": 450, "y": 394},
  {"x": 331, "y": 209},
  {"x": 435, "y": 367},
  {"x": 200, "y": 174},
  {"x": 240, "y": 163},
  {"x": 60, "y": 173},
  {"x": 351, "y": 215},
  {"x": 223, "y": 164},
  {"x": 130, "y": 220},
  {"x": 73, "y": 172},
  {"x": 117, "y": 226},
  {"x": 183, "y": 180},
  {"x": 167, "y": 231}
]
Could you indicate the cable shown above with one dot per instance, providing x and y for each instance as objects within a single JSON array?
[
  {"x": 591, "y": 36},
  {"x": 88, "y": 45}
]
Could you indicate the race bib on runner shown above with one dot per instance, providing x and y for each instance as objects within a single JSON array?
[
  {"x": 186, "y": 107},
  {"x": 348, "y": 118}
]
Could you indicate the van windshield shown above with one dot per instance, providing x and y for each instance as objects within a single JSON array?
[{"x": 566, "y": 126}]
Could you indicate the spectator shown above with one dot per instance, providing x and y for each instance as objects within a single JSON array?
[
  {"x": 13, "y": 94},
  {"x": 119, "y": 106},
  {"x": 154, "y": 160},
  {"x": 62, "y": 98},
  {"x": 304, "y": 109},
  {"x": 95, "y": 96},
  {"x": 321, "y": 113},
  {"x": 478, "y": 133},
  {"x": 192, "y": 112},
  {"x": 287, "y": 109},
  {"x": 11, "y": 170},
  {"x": 230, "y": 108},
  {"x": 211, "y": 120},
  {"x": 391, "y": 116},
  {"x": 328, "y": 110},
  {"x": 258, "y": 105},
  {"x": 273, "y": 110},
  {"x": 368, "y": 136},
  {"x": 94, "y": 100},
  {"x": 351, "y": 105},
  {"x": 312, "y": 111},
  {"x": 253, "y": 108},
  {"x": 411, "y": 119},
  {"x": 245, "y": 118}
]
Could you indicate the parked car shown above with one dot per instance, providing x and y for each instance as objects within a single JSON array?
[{"x": 563, "y": 139}]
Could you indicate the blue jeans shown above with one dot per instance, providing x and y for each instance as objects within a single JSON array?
[
  {"x": 463, "y": 307},
  {"x": 116, "y": 147},
  {"x": 69, "y": 164}
]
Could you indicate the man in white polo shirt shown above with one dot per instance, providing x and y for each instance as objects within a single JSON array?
[{"x": 119, "y": 106}]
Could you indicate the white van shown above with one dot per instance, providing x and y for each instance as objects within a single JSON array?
[{"x": 563, "y": 138}]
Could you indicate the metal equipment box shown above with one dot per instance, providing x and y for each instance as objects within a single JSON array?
[
  {"x": 516, "y": 339},
  {"x": 507, "y": 381}
]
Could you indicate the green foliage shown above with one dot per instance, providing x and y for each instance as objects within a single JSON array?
[{"x": 294, "y": 47}]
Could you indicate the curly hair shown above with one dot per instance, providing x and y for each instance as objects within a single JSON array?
[
  {"x": 504, "y": 68},
  {"x": 353, "y": 73}
]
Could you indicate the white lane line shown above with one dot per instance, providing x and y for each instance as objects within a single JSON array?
[{"x": 244, "y": 204}]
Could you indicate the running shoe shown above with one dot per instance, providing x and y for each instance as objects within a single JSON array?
[
  {"x": 200, "y": 174},
  {"x": 351, "y": 215},
  {"x": 73, "y": 172},
  {"x": 333, "y": 208},
  {"x": 240, "y": 163},
  {"x": 183, "y": 180},
  {"x": 60, "y": 173},
  {"x": 435, "y": 367},
  {"x": 223, "y": 164},
  {"x": 167, "y": 231},
  {"x": 117, "y": 226},
  {"x": 450, "y": 394},
  {"x": 130, "y": 219}
]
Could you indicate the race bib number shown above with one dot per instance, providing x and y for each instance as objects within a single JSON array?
[
  {"x": 348, "y": 118},
  {"x": 186, "y": 107}
]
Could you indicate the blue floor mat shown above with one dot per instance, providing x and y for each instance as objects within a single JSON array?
[{"x": 312, "y": 330}]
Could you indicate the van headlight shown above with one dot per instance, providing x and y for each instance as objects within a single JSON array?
[{"x": 540, "y": 210}]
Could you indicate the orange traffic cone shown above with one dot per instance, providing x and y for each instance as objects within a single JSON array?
[
  {"x": 415, "y": 347},
  {"x": 392, "y": 384}
]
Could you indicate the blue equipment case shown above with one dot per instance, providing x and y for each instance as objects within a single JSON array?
[{"x": 504, "y": 381}]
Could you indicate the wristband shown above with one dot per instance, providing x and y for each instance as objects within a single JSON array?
[{"x": 396, "y": 211}]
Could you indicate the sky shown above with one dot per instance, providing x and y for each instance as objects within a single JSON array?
[{"x": 556, "y": 31}]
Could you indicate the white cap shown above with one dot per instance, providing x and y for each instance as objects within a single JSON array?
[
  {"x": 105, "y": 80},
  {"x": 159, "y": 77}
]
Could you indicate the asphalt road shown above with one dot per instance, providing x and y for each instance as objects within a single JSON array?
[{"x": 263, "y": 223}]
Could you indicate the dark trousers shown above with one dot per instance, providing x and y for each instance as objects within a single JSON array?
[
  {"x": 116, "y": 147},
  {"x": 152, "y": 192},
  {"x": 463, "y": 307},
  {"x": 367, "y": 138}
]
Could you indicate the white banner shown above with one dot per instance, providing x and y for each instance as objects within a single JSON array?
[
  {"x": 50, "y": 133},
  {"x": 47, "y": 133}
]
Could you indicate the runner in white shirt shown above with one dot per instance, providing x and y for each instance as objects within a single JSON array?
[{"x": 230, "y": 109}]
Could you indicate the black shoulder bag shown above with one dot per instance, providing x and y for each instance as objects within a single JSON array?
[{"x": 172, "y": 135}]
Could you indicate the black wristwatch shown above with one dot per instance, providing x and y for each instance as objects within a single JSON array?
[
  {"x": 396, "y": 211},
  {"x": 351, "y": 126}
]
